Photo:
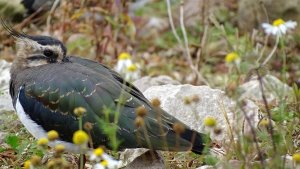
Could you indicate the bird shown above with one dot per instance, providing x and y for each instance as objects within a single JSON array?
[
  {"x": 47, "y": 85},
  {"x": 18, "y": 10},
  {"x": 34, "y": 5}
]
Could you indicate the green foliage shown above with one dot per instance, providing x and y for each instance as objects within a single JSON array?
[
  {"x": 13, "y": 141},
  {"x": 211, "y": 160},
  {"x": 110, "y": 128}
]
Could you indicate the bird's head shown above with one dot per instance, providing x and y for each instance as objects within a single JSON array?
[
  {"x": 40, "y": 50},
  {"x": 37, "y": 50}
]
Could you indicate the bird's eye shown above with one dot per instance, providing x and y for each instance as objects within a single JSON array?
[{"x": 48, "y": 53}]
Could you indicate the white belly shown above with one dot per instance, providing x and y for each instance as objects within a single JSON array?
[{"x": 38, "y": 132}]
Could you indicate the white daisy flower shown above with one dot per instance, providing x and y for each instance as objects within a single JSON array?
[
  {"x": 128, "y": 69},
  {"x": 279, "y": 27},
  {"x": 107, "y": 161},
  {"x": 132, "y": 72},
  {"x": 111, "y": 163},
  {"x": 99, "y": 166},
  {"x": 96, "y": 154},
  {"x": 124, "y": 60}
]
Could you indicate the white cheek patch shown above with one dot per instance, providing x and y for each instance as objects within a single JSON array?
[
  {"x": 34, "y": 63},
  {"x": 38, "y": 132}
]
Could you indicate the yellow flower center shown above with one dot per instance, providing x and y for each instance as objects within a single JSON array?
[
  {"x": 35, "y": 160},
  {"x": 278, "y": 22},
  {"x": 98, "y": 151},
  {"x": 210, "y": 122},
  {"x": 79, "y": 111},
  {"x": 231, "y": 57},
  {"x": 124, "y": 56},
  {"x": 42, "y": 141},
  {"x": 80, "y": 137},
  {"x": 104, "y": 163},
  {"x": 132, "y": 68},
  {"x": 59, "y": 148},
  {"x": 264, "y": 122},
  {"x": 296, "y": 157},
  {"x": 52, "y": 135},
  {"x": 27, "y": 164}
]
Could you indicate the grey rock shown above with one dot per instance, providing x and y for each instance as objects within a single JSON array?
[
  {"x": 252, "y": 112},
  {"x": 141, "y": 158},
  {"x": 4, "y": 74},
  {"x": 274, "y": 89},
  {"x": 206, "y": 167},
  {"x": 147, "y": 81},
  {"x": 5, "y": 100},
  {"x": 212, "y": 102}
]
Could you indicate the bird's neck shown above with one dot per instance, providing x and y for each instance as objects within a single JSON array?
[{"x": 19, "y": 65}]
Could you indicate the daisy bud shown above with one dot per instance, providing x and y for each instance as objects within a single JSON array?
[
  {"x": 231, "y": 57},
  {"x": 139, "y": 121},
  {"x": 80, "y": 137},
  {"x": 187, "y": 100},
  {"x": 79, "y": 111},
  {"x": 296, "y": 158},
  {"x": 210, "y": 122},
  {"x": 42, "y": 141},
  {"x": 155, "y": 102},
  {"x": 35, "y": 160},
  {"x": 27, "y": 164},
  {"x": 141, "y": 111},
  {"x": 88, "y": 126},
  {"x": 59, "y": 148},
  {"x": 178, "y": 128},
  {"x": 52, "y": 135}
]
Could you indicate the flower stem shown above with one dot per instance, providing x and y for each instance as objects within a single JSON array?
[
  {"x": 80, "y": 123},
  {"x": 81, "y": 155},
  {"x": 81, "y": 161},
  {"x": 272, "y": 52}
]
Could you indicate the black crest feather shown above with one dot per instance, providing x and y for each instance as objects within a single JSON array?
[{"x": 11, "y": 30}]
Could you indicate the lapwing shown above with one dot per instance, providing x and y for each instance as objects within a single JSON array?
[{"x": 47, "y": 85}]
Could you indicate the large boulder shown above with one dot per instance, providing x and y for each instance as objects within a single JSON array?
[
  {"x": 191, "y": 104},
  {"x": 274, "y": 89},
  {"x": 141, "y": 158},
  {"x": 147, "y": 81},
  {"x": 5, "y": 100}
]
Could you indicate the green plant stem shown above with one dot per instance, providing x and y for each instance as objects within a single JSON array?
[
  {"x": 81, "y": 161},
  {"x": 80, "y": 123},
  {"x": 272, "y": 52},
  {"x": 270, "y": 127},
  {"x": 81, "y": 155}
]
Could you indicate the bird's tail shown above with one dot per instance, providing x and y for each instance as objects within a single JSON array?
[{"x": 197, "y": 139}]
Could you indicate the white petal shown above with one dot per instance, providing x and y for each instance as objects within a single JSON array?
[
  {"x": 276, "y": 31},
  {"x": 266, "y": 25},
  {"x": 282, "y": 29},
  {"x": 110, "y": 161},
  {"x": 268, "y": 28},
  {"x": 290, "y": 24},
  {"x": 122, "y": 65},
  {"x": 98, "y": 166},
  {"x": 269, "y": 31},
  {"x": 128, "y": 62}
]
